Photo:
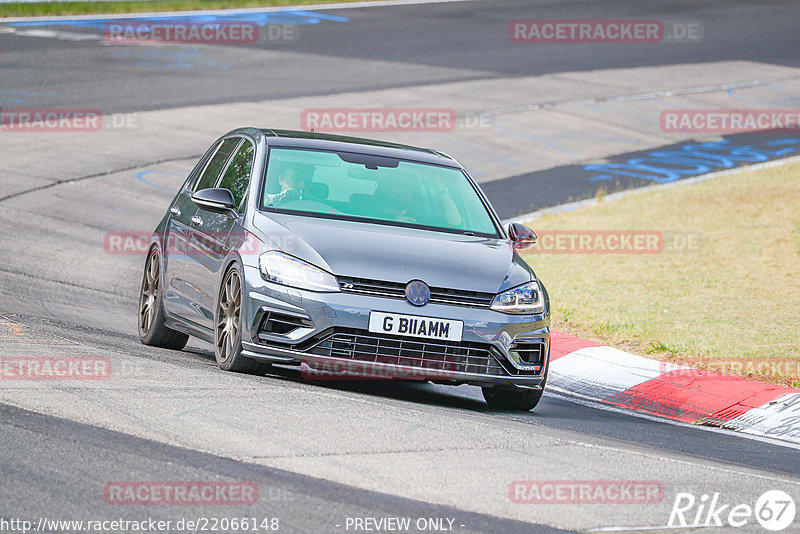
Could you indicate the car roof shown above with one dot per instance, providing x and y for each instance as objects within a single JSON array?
[{"x": 341, "y": 143}]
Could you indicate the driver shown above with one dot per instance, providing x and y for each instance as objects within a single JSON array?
[{"x": 294, "y": 184}]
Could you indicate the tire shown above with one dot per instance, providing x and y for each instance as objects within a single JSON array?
[
  {"x": 152, "y": 329},
  {"x": 228, "y": 331},
  {"x": 514, "y": 399}
]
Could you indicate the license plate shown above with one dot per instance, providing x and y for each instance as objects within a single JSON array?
[{"x": 415, "y": 326}]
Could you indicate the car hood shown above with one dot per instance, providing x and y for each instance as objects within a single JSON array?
[{"x": 397, "y": 254}]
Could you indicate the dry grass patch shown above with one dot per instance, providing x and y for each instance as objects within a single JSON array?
[{"x": 732, "y": 306}]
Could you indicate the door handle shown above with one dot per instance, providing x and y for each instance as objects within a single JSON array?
[
  {"x": 175, "y": 211},
  {"x": 197, "y": 220}
]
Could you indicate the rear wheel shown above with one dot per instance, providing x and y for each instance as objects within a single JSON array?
[
  {"x": 152, "y": 328},
  {"x": 516, "y": 399},
  {"x": 228, "y": 334}
]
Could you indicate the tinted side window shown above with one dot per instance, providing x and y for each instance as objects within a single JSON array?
[
  {"x": 237, "y": 177},
  {"x": 217, "y": 163},
  {"x": 199, "y": 166}
]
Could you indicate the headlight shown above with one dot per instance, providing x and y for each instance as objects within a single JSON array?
[
  {"x": 287, "y": 270},
  {"x": 526, "y": 298}
]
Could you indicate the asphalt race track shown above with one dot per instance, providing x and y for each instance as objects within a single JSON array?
[
  {"x": 539, "y": 125},
  {"x": 451, "y": 41}
]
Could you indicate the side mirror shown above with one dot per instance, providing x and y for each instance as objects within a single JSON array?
[
  {"x": 521, "y": 236},
  {"x": 215, "y": 200}
]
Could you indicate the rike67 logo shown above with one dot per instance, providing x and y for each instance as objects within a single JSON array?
[{"x": 774, "y": 510}]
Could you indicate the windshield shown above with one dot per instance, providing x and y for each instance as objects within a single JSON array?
[{"x": 375, "y": 189}]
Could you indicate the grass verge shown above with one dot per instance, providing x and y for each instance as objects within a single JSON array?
[
  {"x": 731, "y": 304},
  {"x": 39, "y": 9}
]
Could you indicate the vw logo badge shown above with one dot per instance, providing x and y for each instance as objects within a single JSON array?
[{"x": 418, "y": 293}]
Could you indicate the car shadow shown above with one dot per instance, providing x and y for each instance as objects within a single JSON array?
[
  {"x": 413, "y": 391},
  {"x": 420, "y": 392}
]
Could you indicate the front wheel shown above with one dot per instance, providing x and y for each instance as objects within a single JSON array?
[
  {"x": 228, "y": 333},
  {"x": 152, "y": 327},
  {"x": 516, "y": 399}
]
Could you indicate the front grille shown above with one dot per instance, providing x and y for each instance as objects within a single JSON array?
[
  {"x": 439, "y": 295},
  {"x": 358, "y": 345}
]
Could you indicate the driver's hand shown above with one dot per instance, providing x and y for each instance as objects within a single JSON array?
[{"x": 288, "y": 196}]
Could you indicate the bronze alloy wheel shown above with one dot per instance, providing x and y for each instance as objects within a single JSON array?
[
  {"x": 227, "y": 338},
  {"x": 152, "y": 324},
  {"x": 149, "y": 296},
  {"x": 229, "y": 308}
]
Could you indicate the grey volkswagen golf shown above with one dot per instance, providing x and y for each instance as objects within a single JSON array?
[{"x": 349, "y": 258}]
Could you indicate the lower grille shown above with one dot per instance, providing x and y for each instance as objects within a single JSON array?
[{"x": 444, "y": 356}]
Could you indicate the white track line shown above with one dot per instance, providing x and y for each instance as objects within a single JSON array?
[{"x": 51, "y": 34}]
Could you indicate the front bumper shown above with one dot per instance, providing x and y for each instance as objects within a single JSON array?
[{"x": 316, "y": 317}]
